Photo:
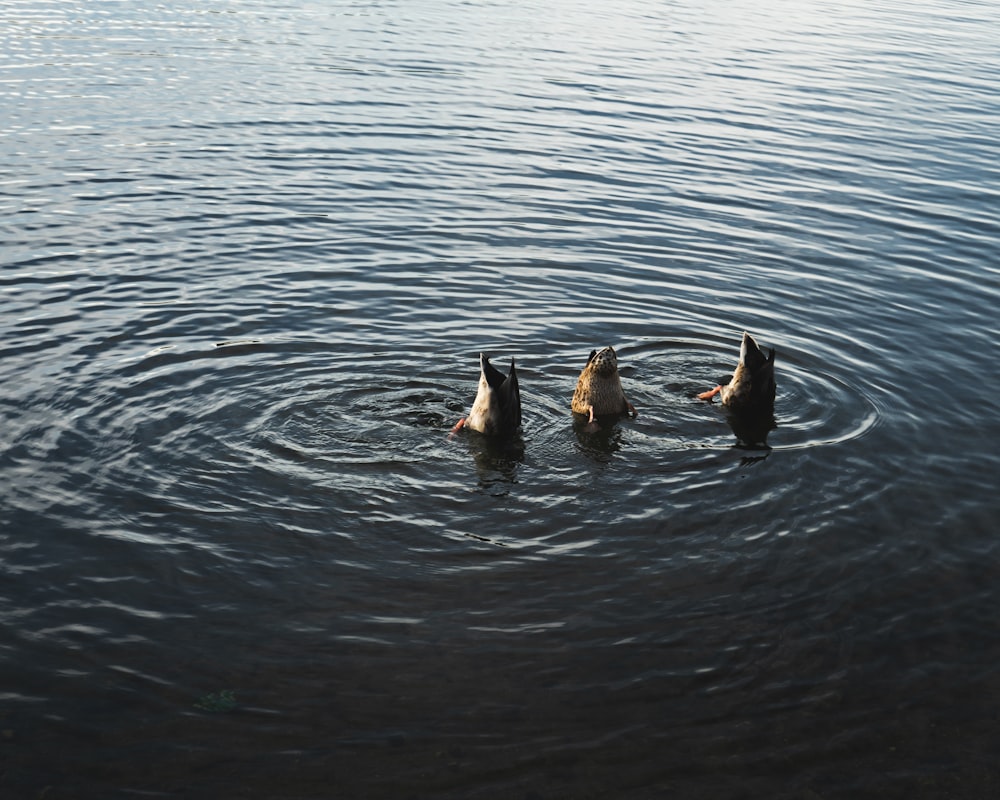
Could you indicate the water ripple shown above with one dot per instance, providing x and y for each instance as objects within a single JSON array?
[{"x": 251, "y": 255}]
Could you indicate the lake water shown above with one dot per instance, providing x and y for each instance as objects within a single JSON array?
[{"x": 250, "y": 254}]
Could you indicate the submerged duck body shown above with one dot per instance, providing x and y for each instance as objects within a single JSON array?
[
  {"x": 496, "y": 411},
  {"x": 752, "y": 388},
  {"x": 599, "y": 389}
]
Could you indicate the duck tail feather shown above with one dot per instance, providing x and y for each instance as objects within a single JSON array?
[
  {"x": 494, "y": 377},
  {"x": 510, "y": 395}
]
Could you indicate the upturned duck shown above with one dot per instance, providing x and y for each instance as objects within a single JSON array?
[
  {"x": 599, "y": 389},
  {"x": 752, "y": 388},
  {"x": 496, "y": 410}
]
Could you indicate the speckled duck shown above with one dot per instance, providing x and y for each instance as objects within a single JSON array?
[{"x": 599, "y": 389}]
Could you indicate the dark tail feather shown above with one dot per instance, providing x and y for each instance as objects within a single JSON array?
[
  {"x": 507, "y": 391},
  {"x": 510, "y": 393},
  {"x": 510, "y": 398},
  {"x": 753, "y": 356},
  {"x": 763, "y": 380},
  {"x": 494, "y": 377}
]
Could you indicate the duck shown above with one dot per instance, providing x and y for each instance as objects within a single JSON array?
[
  {"x": 496, "y": 411},
  {"x": 599, "y": 388},
  {"x": 752, "y": 388}
]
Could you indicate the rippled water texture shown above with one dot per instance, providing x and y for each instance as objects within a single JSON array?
[{"x": 250, "y": 255}]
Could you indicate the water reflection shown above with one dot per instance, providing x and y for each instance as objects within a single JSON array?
[
  {"x": 497, "y": 461},
  {"x": 751, "y": 429},
  {"x": 598, "y": 440}
]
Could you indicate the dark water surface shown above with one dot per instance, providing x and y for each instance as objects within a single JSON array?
[{"x": 250, "y": 254}]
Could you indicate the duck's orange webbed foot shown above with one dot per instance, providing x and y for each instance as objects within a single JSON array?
[
  {"x": 631, "y": 409},
  {"x": 710, "y": 393},
  {"x": 458, "y": 426}
]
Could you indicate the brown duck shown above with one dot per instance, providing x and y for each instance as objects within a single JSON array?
[
  {"x": 752, "y": 388},
  {"x": 599, "y": 390}
]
